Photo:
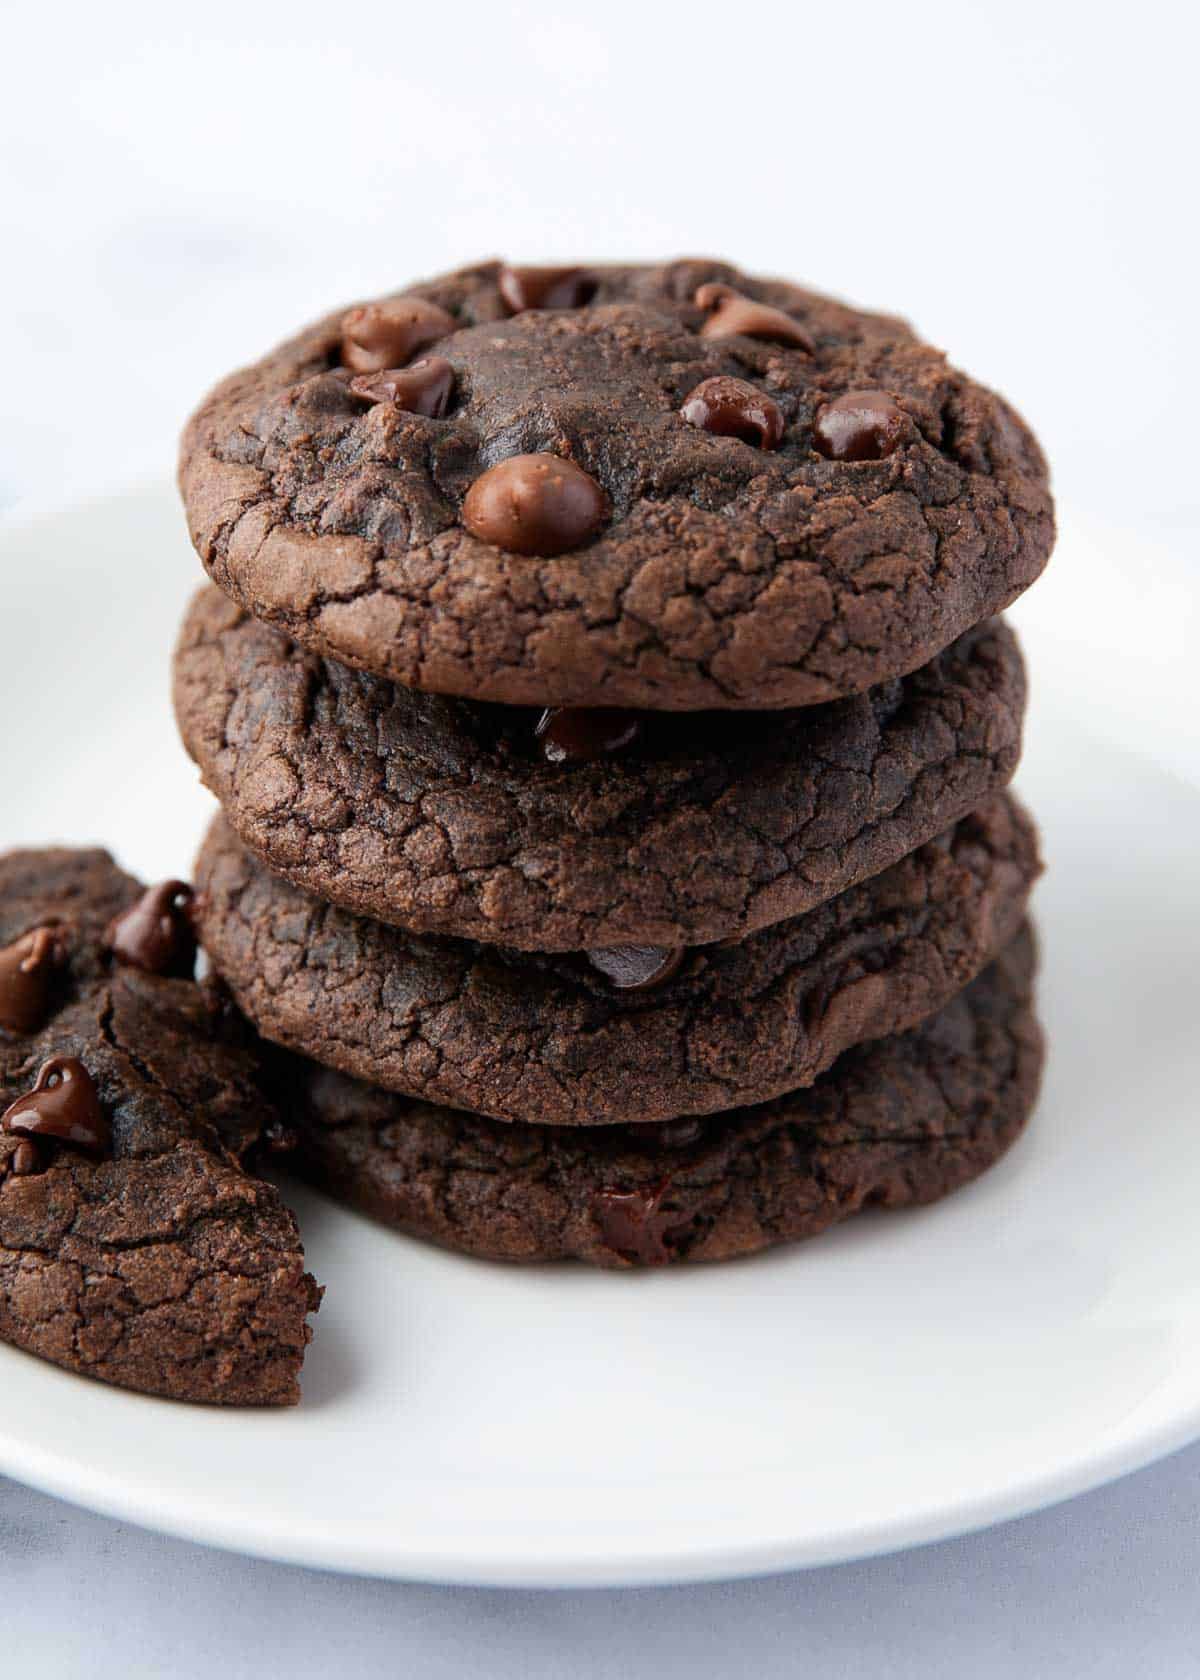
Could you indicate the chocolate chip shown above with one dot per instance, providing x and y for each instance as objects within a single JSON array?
[
  {"x": 575, "y": 734},
  {"x": 63, "y": 1106},
  {"x": 155, "y": 933},
  {"x": 666, "y": 1134},
  {"x": 535, "y": 504},
  {"x": 636, "y": 968},
  {"x": 732, "y": 408},
  {"x": 26, "y": 1159},
  {"x": 377, "y": 336},
  {"x": 714, "y": 293},
  {"x": 860, "y": 426},
  {"x": 545, "y": 288},
  {"x": 280, "y": 1139},
  {"x": 423, "y": 388},
  {"x": 26, "y": 978},
  {"x": 734, "y": 314},
  {"x": 634, "y": 1224}
]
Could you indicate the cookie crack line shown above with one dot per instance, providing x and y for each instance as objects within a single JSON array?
[{"x": 716, "y": 577}]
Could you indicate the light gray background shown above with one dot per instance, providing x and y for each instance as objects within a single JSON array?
[
  {"x": 1019, "y": 180},
  {"x": 184, "y": 185}
]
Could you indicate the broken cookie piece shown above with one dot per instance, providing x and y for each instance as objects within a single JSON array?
[{"x": 136, "y": 1246}]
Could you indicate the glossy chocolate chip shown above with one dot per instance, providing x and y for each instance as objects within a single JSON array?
[
  {"x": 26, "y": 1159},
  {"x": 860, "y": 426},
  {"x": 545, "y": 288},
  {"x": 575, "y": 734},
  {"x": 280, "y": 1139},
  {"x": 733, "y": 315},
  {"x": 666, "y": 1134},
  {"x": 732, "y": 408},
  {"x": 425, "y": 387},
  {"x": 26, "y": 979},
  {"x": 62, "y": 1107},
  {"x": 378, "y": 336},
  {"x": 156, "y": 933},
  {"x": 634, "y": 1224},
  {"x": 636, "y": 968},
  {"x": 535, "y": 504}
]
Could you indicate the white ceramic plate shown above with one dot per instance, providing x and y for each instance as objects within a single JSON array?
[{"x": 902, "y": 1379}]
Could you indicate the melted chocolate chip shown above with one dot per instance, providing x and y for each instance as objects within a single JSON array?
[
  {"x": 535, "y": 504},
  {"x": 636, "y": 968},
  {"x": 734, "y": 315},
  {"x": 423, "y": 388},
  {"x": 325, "y": 393},
  {"x": 63, "y": 1107},
  {"x": 634, "y": 1224},
  {"x": 732, "y": 408},
  {"x": 26, "y": 979},
  {"x": 666, "y": 1134},
  {"x": 26, "y": 1159},
  {"x": 280, "y": 1139},
  {"x": 576, "y": 734},
  {"x": 378, "y": 336},
  {"x": 155, "y": 933},
  {"x": 545, "y": 288},
  {"x": 860, "y": 426}
]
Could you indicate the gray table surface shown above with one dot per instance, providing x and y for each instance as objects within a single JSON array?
[{"x": 1103, "y": 1587}]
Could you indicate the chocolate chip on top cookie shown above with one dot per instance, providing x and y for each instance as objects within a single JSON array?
[
  {"x": 677, "y": 487},
  {"x": 134, "y": 1245}
]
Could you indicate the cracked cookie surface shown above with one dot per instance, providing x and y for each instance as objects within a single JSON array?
[
  {"x": 442, "y": 815},
  {"x": 896, "y": 1123},
  {"x": 547, "y": 1039},
  {"x": 722, "y": 574},
  {"x": 163, "y": 1265}
]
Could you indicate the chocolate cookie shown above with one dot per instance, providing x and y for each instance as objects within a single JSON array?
[
  {"x": 134, "y": 1245},
  {"x": 898, "y": 1122},
  {"x": 627, "y": 1033},
  {"x": 563, "y": 830},
  {"x": 675, "y": 487}
]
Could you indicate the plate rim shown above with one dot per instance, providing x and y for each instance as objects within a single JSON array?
[{"x": 702, "y": 1563}]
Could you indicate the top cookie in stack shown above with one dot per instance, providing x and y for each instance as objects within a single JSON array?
[
  {"x": 738, "y": 549},
  {"x": 830, "y": 515}
]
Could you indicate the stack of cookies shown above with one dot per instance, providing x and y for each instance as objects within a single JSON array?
[
  {"x": 601, "y": 684},
  {"x": 603, "y": 690}
]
